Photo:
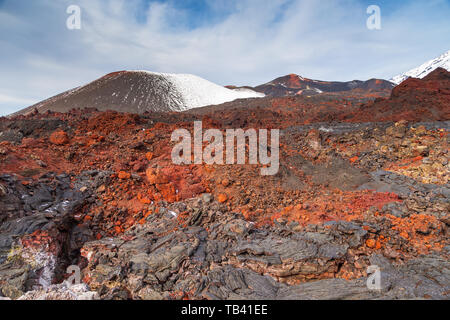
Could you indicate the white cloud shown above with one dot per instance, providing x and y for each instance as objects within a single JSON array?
[
  {"x": 10, "y": 104},
  {"x": 256, "y": 42},
  {"x": 10, "y": 100}
]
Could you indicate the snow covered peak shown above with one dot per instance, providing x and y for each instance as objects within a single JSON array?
[
  {"x": 197, "y": 92},
  {"x": 422, "y": 71},
  {"x": 142, "y": 91}
]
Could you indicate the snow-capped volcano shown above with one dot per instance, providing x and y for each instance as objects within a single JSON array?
[
  {"x": 442, "y": 61},
  {"x": 141, "y": 91}
]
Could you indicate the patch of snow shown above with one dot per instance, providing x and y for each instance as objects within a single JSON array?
[
  {"x": 325, "y": 129},
  {"x": 174, "y": 214},
  {"x": 249, "y": 91},
  {"x": 197, "y": 92},
  {"x": 318, "y": 90}
]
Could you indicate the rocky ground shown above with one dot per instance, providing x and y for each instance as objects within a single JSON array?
[{"x": 98, "y": 190}]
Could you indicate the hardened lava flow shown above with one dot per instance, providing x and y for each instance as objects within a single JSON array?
[{"x": 363, "y": 181}]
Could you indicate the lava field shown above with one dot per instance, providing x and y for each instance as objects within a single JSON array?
[{"x": 363, "y": 181}]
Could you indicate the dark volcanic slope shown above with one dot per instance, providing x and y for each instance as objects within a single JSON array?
[
  {"x": 293, "y": 84},
  {"x": 134, "y": 92}
]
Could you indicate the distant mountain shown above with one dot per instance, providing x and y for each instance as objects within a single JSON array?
[
  {"x": 420, "y": 72},
  {"x": 294, "y": 84},
  {"x": 141, "y": 91}
]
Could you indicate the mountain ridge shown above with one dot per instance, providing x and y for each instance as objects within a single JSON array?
[{"x": 294, "y": 84}]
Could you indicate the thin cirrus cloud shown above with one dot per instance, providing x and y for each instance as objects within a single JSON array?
[{"x": 242, "y": 42}]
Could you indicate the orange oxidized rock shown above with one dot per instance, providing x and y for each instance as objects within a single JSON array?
[
  {"x": 370, "y": 243},
  {"x": 151, "y": 175},
  {"x": 404, "y": 235},
  {"x": 124, "y": 175},
  {"x": 222, "y": 198},
  {"x": 225, "y": 182},
  {"x": 59, "y": 137},
  {"x": 167, "y": 191},
  {"x": 145, "y": 200},
  {"x": 155, "y": 176},
  {"x": 378, "y": 245}
]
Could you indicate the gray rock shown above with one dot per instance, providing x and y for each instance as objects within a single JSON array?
[{"x": 207, "y": 198}]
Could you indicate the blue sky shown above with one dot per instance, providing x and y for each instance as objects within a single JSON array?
[{"x": 241, "y": 42}]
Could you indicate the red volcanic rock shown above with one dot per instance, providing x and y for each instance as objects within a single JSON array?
[
  {"x": 436, "y": 82},
  {"x": 167, "y": 192},
  {"x": 415, "y": 86},
  {"x": 139, "y": 166},
  {"x": 293, "y": 81},
  {"x": 111, "y": 121},
  {"x": 188, "y": 191},
  {"x": 151, "y": 175},
  {"x": 176, "y": 182},
  {"x": 59, "y": 137},
  {"x": 149, "y": 156},
  {"x": 222, "y": 198},
  {"x": 438, "y": 74},
  {"x": 124, "y": 175},
  {"x": 155, "y": 176},
  {"x": 414, "y": 99},
  {"x": 29, "y": 142}
]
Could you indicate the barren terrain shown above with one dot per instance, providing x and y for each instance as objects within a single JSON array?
[{"x": 363, "y": 180}]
